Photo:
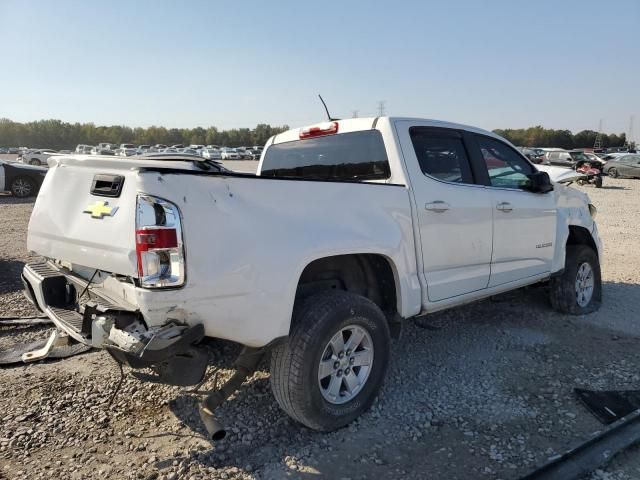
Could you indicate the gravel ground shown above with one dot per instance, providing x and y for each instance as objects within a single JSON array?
[{"x": 482, "y": 391}]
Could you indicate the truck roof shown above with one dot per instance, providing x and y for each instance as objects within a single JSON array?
[{"x": 366, "y": 123}]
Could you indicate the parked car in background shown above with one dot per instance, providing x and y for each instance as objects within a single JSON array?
[
  {"x": 19, "y": 179},
  {"x": 13, "y": 150},
  {"x": 227, "y": 153},
  {"x": 211, "y": 154},
  {"x": 254, "y": 154},
  {"x": 189, "y": 151},
  {"x": 623, "y": 166},
  {"x": 102, "y": 151},
  {"x": 158, "y": 147},
  {"x": 142, "y": 149},
  {"x": 4, "y": 150},
  {"x": 594, "y": 158},
  {"x": 36, "y": 157},
  {"x": 179, "y": 145},
  {"x": 535, "y": 155},
  {"x": 126, "y": 150},
  {"x": 80, "y": 148},
  {"x": 565, "y": 158},
  {"x": 243, "y": 153}
]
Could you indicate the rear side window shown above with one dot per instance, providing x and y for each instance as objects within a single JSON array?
[
  {"x": 441, "y": 155},
  {"x": 342, "y": 157}
]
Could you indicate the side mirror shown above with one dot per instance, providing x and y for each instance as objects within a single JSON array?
[{"x": 540, "y": 182}]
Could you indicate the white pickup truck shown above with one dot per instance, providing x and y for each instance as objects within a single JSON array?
[{"x": 349, "y": 227}]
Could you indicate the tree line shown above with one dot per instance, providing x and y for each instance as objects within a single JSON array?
[
  {"x": 547, "y": 137},
  {"x": 60, "y": 135}
]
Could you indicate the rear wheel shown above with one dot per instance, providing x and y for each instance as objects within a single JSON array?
[
  {"x": 579, "y": 289},
  {"x": 334, "y": 362},
  {"x": 22, "y": 187},
  {"x": 613, "y": 172},
  {"x": 36, "y": 162}
]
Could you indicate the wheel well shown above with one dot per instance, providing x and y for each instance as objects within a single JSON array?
[
  {"x": 369, "y": 275},
  {"x": 581, "y": 236}
]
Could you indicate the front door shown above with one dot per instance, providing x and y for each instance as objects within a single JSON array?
[
  {"x": 524, "y": 223},
  {"x": 454, "y": 214}
]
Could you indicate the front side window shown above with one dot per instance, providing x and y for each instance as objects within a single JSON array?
[
  {"x": 507, "y": 169},
  {"x": 341, "y": 157},
  {"x": 441, "y": 155}
]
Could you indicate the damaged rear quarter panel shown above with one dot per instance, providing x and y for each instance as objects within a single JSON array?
[{"x": 248, "y": 239}]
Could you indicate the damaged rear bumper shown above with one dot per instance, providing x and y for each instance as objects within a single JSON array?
[{"x": 93, "y": 317}]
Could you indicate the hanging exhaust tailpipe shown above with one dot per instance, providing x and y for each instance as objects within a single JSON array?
[
  {"x": 246, "y": 364},
  {"x": 214, "y": 428}
]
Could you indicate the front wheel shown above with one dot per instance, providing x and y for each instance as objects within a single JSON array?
[
  {"x": 35, "y": 162},
  {"x": 579, "y": 289},
  {"x": 334, "y": 361}
]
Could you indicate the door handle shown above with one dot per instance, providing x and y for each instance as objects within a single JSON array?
[
  {"x": 437, "y": 206},
  {"x": 504, "y": 207}
]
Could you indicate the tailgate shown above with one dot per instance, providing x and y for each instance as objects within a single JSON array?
[{"x": 71, "y": 223}]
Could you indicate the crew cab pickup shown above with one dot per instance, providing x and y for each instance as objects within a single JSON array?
[{"x": 348, "y": 228}]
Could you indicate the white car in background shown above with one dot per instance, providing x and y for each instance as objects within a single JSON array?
[
  {"x": 36, "y": 157},
  {"x": 126, "y": 150},
  {"x": 227, "y": 153},
  {"x": 211, "y": 154}
]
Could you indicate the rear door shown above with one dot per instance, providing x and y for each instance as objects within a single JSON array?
[
  {"x": 454, "y": 214},
  {"x": 524, "y": 223}
]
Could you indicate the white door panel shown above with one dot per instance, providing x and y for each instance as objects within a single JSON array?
[
  {"x": 455, "y": 227},
  {"x": 523, "y": 235}
]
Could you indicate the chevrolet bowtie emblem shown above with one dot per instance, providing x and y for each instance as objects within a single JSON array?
[{"x": 100, "y": 210}]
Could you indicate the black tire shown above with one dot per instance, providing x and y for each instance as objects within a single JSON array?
[
  {"x": 563, "y": 288},
  {"x": 613, "y": 172},
  {"x": 22, "y": 187},
  {"x": 598, "y": 182},
  {"x": 295, "y": 363},
  {"x": 36, "y": 162}
]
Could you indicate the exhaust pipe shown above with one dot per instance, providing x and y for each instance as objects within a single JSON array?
[
  {"x": 214, "y": 427},
  {"x": 246, "y": 364}
]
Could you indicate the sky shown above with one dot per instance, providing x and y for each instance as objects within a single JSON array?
[{"x": 493, "y": 64}]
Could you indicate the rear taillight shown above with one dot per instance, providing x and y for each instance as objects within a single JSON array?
[
  {"x": 327, "y": 128},
  {"x": 159, "y": 245}
]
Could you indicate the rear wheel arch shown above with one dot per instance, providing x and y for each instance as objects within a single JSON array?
[{"x": 373, "y": 276}]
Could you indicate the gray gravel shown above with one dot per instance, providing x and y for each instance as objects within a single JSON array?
[{"x": 483, "y": 391}]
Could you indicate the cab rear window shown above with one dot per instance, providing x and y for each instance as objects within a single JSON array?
[{"x": 343, "y": 157}]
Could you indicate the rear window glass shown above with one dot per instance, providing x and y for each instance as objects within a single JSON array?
[{"x": 345, "y": 156}]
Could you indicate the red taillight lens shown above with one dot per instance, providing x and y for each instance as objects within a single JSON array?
[
  {"x": 147, "y": 238},
  {"x": 328, "y": 128},
  {"x": 159, "y": 249}
]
